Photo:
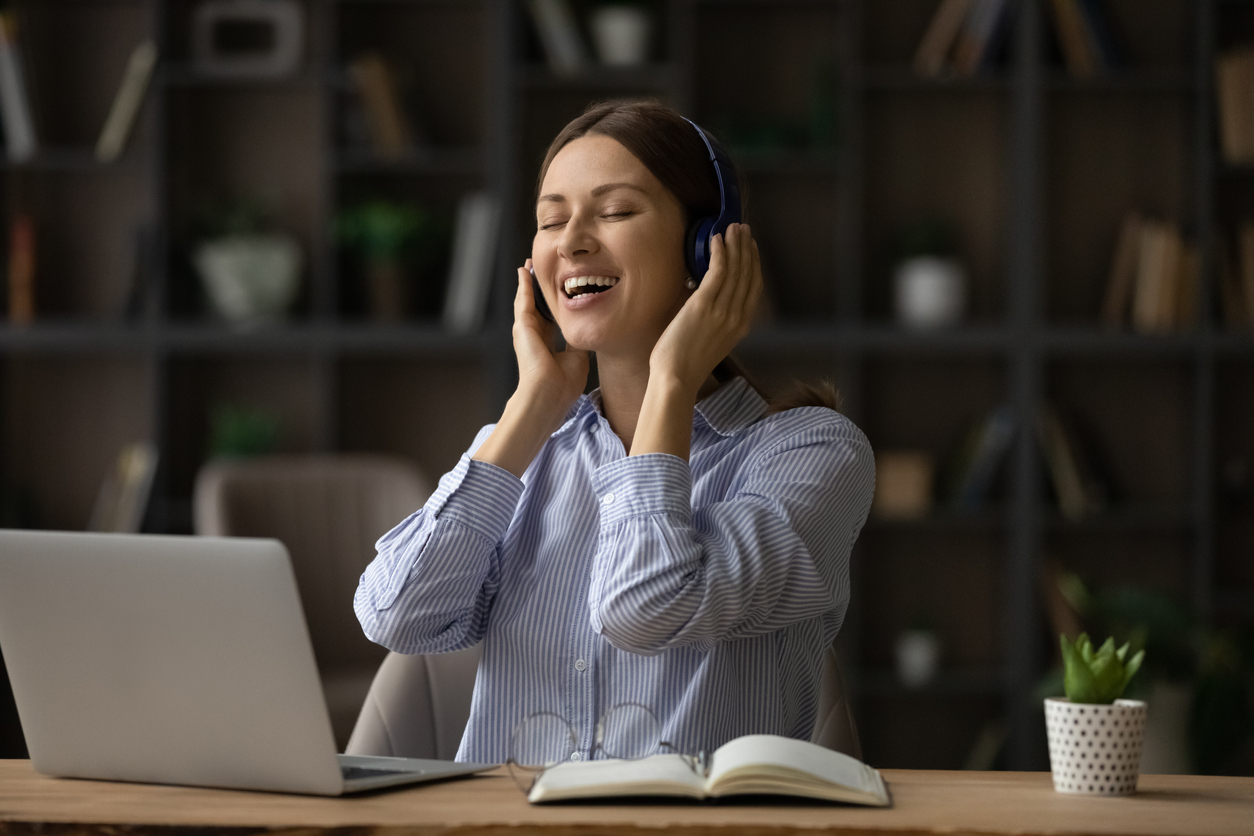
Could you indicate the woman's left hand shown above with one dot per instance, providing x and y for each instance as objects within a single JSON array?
[{"x": 718, "y": 314}]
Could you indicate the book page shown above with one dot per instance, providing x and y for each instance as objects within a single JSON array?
[
  {"x": 656, "y": 775},
  {"x": 771, "y": 757}
]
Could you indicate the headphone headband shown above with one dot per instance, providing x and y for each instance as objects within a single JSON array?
[{"x": 697, "y": 250}]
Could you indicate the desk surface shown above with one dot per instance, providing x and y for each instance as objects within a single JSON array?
[{"x": 924, "y": 803}]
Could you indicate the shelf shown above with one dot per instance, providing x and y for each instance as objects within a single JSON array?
[
  {"x": 942, "y": 519},
  {"x": 598, "y": 77},
  {"x": 897, "y": 79},
  {"x": 454, "y": 161},
  {"x": 788, "y": 161},
  {"x": 78, "y": 160},
  {"x": 1136, "y": 80},
  {"x": 186, "y": 76},
  {"x": 73, "y": 338},
  {"x": 1129, "y": 517},
  {"x": 973, "y": 682}
]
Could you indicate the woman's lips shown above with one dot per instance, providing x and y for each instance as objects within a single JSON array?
[{"x": 584, "y": 300}]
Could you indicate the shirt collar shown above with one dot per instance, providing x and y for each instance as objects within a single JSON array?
[
  {"x": 728, "y": 410},
  {"x": 732, "y": 407}
]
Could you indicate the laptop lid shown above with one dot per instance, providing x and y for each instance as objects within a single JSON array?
[{"x": 177, "y": 660}]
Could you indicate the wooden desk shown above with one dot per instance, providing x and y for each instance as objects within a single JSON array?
[{"x": 951, "y": 803}]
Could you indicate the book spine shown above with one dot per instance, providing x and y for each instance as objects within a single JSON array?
[
  {"x": 559, "y": 35},
  {"x": 22, "y": 270},
  {"x": 994, "y": 442},
  {"x": 126, "y": 103},
  {"x": 1122, "y": 272},
  {"x": 1100, "y": 34},
  {"x": 1186, "y": 298},
  {"x": 390, "y": 134},
  {"x": 474, "y": 255},
  {"x": 929, "y": 58},
  {"x": 1247, "y": 271},
  {"x": 1145, "y": 304},
  {"x": 978, "y": 27},
  {"x": 1071, "y": 36},
  {"x": 19, "y": 125}
]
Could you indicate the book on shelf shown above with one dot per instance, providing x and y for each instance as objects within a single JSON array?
[
  {"x": 21, "y": 143},
  {"x": 974, "y": 463},
  {"x": 1244, "y": 279},
  {"x": 1078, "y": 491},
  {"x": 123, "y": 498},
  {"x": 756, "y": 764},
  {"x": 21, "y": 273},
  {"x": 1085, "y": 37},
  {"x": 388, "y": 127},
  {"x": 984, "y": 27},
  {"x": 559, "y": 35},
  {"x": 474, "y": 256},
  {"x": 930, "y": 59},
  {"x": 1234, "y": 95},
  {"x": 125, "y": 109},
  {"x": 1153, "y": 280}
]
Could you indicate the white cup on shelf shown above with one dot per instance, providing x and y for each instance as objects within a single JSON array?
[
  {"x": 621, "y": 34},
  {"x": 930, "y": 292}
]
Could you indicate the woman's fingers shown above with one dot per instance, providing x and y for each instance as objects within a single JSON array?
[{"x": 749, "y": 269}]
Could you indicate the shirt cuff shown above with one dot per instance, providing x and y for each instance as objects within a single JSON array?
[
  {"x": 478, "y": 495},
  {"x": 653, "y": 483}
]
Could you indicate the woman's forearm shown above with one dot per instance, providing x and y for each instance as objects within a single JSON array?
[
  {"x": 665, "y": 423},
  {"x": 525, "y": 425}
]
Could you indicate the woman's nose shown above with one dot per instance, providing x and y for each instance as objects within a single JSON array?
[{"x": 577, "y": 238}]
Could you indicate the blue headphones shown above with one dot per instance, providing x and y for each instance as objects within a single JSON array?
[{"x": 697, "y": 239}]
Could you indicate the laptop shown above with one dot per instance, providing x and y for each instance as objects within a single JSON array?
[{"x": 174, "y": 660}]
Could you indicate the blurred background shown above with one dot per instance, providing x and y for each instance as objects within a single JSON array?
[{"x": 1017, "y": 234}]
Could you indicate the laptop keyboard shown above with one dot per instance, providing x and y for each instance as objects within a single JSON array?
[{"x": 352, "y": 773}]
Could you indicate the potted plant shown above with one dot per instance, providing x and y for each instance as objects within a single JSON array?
[
  {"x": 251, "y": 275},
  {"x": 1095, "y": 737},
  {"x": 397, "y": 244}
]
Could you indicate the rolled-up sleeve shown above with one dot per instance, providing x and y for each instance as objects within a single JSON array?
[
  {"x": 431, "y": 585},
  {"x": 773, "y": 552}
]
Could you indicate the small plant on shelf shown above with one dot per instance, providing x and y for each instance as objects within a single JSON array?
[
  {"x": 397, "y": 245},
  {"x": 1095, "y": 737}
]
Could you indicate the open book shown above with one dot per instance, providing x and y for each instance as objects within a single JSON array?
[{"x": 754, "y": 764}]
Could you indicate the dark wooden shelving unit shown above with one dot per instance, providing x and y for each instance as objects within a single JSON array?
[{"x": 1034, "y": 167}]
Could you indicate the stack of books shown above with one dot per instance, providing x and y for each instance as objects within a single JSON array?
[{"x": 1153, "y": 278}]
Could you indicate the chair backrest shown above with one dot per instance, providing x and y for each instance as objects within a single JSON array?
[
  {"x": 328, "y": 510},
  {"x": 418, "y": 707}
]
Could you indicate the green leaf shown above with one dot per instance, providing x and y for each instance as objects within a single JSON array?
[{"x": 1097, "y": 677}]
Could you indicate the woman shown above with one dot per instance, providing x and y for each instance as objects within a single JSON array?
[{"x": 664, "y": 541}]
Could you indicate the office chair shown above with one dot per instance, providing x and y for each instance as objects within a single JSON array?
[
  {"x": 328, "y": 510},
  {"x": 418, "y": 707}
]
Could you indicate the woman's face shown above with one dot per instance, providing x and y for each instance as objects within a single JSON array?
[{"x": 604, "y": 219}]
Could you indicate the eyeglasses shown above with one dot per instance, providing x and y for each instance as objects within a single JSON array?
[{"x": 627, "y": 731}]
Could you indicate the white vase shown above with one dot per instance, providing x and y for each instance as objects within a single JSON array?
[
  {"x": 250, "y": 278},
  {"x": 918, "y": 657},
  {"x": 929, "y": 291},
  {"x": 621, "y": 34},
  {"x": 1095, "y": 749}
]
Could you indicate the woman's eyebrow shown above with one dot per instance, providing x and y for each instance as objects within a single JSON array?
[{"x": 597, "y": 192}]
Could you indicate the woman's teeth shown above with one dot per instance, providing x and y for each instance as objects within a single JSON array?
[{"x": 576, "y": 285}]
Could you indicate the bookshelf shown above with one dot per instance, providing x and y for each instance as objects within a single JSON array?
[{"x": 1035, "y": 168}]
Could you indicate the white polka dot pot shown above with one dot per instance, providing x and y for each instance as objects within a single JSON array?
[{"x": 1095, "y": 749}]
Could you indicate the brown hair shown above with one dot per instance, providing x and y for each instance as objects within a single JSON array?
[{"x": 666, "y": 144}]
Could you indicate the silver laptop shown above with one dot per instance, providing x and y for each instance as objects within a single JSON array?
[{"x": 174, "y": 660}]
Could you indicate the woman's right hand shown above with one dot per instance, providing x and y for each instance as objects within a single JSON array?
[
  {"x": 549, "y": 382},
  {"x": 559, "y": 377}
]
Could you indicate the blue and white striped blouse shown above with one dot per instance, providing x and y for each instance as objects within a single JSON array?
[{"x": 706, "y": 590}]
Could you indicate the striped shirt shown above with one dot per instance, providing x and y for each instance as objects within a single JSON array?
[{"x": 706, "y": 590}]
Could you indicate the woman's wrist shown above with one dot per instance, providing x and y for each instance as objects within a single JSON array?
[{"x": 525, "y": 424}]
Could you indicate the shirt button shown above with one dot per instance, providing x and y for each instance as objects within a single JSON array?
[
  {"x": 593, "y": 428},
  {"x": 581, "y": 665},
  {"x": 575, "y": 756},
  {"x": 608, "y": 498}
]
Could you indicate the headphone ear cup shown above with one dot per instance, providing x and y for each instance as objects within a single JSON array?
[{"x": 697, "y": 248}]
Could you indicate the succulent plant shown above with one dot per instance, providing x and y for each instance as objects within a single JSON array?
[{"x": 1097, "y": 677}]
